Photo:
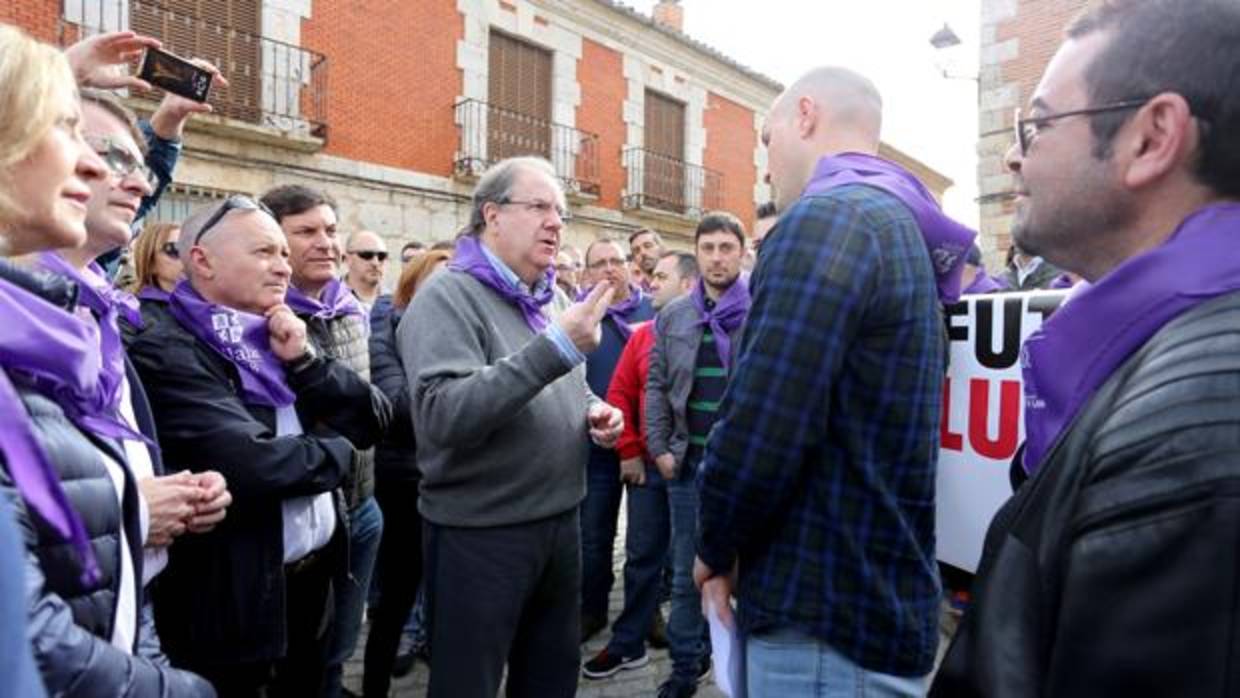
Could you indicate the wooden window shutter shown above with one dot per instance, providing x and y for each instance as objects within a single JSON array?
[
  {"x": 519, "y": 92},
  {"x": 663, "y": 173},
  {"x": 225, "y": 32}
]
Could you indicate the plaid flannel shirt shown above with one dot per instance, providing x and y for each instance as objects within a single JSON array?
[{"x": 819, "y": 475}]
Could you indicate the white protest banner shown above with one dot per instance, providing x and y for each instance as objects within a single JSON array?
[{"x": 983, "y": 414}]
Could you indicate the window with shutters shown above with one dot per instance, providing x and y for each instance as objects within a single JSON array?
[
  {"x": 225, "y": 32},
  {"x": 663, "y": 172},
  {"x": 519, "y": 92}
]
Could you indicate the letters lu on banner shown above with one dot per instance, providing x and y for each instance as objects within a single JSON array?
[{"x": 983, "y": 415}]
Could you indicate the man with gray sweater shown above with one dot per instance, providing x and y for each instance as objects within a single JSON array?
[{"x": 495, "y": 359}]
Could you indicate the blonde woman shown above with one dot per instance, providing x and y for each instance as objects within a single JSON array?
[
  {"x": 157, "y": 263},
  {"x": 81, "y": 587}
]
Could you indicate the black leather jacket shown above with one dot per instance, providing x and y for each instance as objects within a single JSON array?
[
  {"x": 395, "y": 456},
  {"x": 221, "y": 599},
  {"x": 1113, "y": 570}
]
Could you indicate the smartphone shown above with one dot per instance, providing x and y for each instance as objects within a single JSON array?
[{"x": 176, "y": 75}]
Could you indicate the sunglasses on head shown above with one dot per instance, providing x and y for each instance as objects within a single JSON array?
[
  {"x": 368, "y": 255},
  {"x": 236, "y": 202},
  {"x": 170, "y": 249}
]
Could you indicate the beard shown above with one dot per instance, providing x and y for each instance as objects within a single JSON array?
[{"x": 1075, "y": 221}]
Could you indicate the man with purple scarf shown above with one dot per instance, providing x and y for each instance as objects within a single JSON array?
[
  {"x": 339, "y": 326},
  {"x": 236, "y": 384},
  {"x": 504, "y": 416},
  {"x": 1111, "y": 571},
  {"x": 817, "y": 482},
  {"x": 695, "y": 348},
  {"x": 630, "y": 305}
]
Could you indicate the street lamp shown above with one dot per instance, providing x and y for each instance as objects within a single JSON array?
[{"x": 942, "y": 40}]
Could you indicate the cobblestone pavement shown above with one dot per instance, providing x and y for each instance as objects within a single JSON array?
[{"x": 626, "y": 684}]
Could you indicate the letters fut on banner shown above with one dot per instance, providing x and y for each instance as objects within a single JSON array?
[{"x": 983, "y": 414}]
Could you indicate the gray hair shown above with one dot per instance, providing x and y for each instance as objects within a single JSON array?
[{"x": 496, "y": 184}]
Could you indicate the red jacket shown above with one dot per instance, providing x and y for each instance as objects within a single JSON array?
[{"x": 627, "y": 391}]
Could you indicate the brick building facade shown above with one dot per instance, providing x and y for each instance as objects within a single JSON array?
[
  {"x": 1018, "y": 38},
  {"x": 396, "y": 106}
]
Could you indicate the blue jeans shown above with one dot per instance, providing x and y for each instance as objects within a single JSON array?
[
  {"x": 366, "y": 528},
  {"x": 788, "y": 662},
  {"x": 685, "y": 626},
  {"x": 598, "y": 531},
  {"x": 645, "y": 551}
]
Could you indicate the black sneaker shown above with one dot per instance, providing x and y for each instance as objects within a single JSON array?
[
  {"x": 675, "y": 688},
  {"x": 605, "y": 664}
]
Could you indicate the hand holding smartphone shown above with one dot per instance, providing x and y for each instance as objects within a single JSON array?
[{"x": 176, "y": 75}]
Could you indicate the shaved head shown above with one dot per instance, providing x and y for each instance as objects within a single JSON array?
[
  {"x": 365, "y": 240},
  {"x": 847, "y": 99},
  {"x": 826, "y": 112}
]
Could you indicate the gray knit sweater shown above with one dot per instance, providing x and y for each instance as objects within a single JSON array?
[{"x": 499, "y": 414}]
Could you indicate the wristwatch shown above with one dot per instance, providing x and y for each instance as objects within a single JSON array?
[{"x": 304, "y": 361}]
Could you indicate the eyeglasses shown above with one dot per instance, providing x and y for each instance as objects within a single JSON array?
[
  {"x": 232, "y": 203},
  {"x": 170, "y": 249},
  {"x": 542, "y": 208},
  {"x": 368, "y": 255},
  {"x": 1028, "y": 129},
  {"x": 120, "y": 160}
]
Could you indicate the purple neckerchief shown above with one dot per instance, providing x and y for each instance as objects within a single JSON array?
[
  {"x": 96, "y": 405},
  {"x": 620, "y": 312},
  {"x": 40, "y": 341},
  {"x": 239, "y": 337},
  {"x": 983, "y": 283},
  {"x": 153, "y": 293},
  {"x": 334, "y": 301},
  {"x": 946, "y": 240},
  {"x": 470, "y": 258},
  {"x": 727, "y": 315},
  {"x": 1074, "y": 352}
]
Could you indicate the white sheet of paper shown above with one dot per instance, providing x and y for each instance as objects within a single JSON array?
[{"x": 727, "y": 655}]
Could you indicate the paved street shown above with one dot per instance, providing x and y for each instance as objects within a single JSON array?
[{"x": 627, "y": 684}]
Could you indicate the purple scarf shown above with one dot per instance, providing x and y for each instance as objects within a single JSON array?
[
  {"x": 55, "y": 352},
  {"x": 1074, "y": 352},
  {"x": 946, "y": 240},
  {"x": 620, "y": 312},
  {"x": 727, "y": 315},
  {"x": 153, "y": 293},
  {"x": 337, "y": 300},
  {"x": 239, "y": 337},
  {"x": 983, "y": 283},
  {"x": 470, "y": 258},
  {"x": 95, "y": 405}
]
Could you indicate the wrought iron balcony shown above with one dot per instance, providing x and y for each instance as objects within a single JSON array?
[
  {"x": 665, "y": 183},
  {"x": 490, "y": 133},
  {"x": 270, "y": 83}
]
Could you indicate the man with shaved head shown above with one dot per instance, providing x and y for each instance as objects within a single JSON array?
[
  {"x": 817, "y": 484},
  {"x": 236, "y": 385},
  {"x": 365, "y": 258}
]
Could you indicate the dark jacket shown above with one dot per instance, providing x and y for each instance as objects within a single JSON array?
[
  {"x": 221, "y": 599},
  {"x": 345, "y": 338},
  {"x": 395, "y": 454},
  {"x": 678, "y": 335},
  {"x": 1041, "y": 278},
  {"x": 70, "y": 622},
  {"x": 1112, "y": 571}
]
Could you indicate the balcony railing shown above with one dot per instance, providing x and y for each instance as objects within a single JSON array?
[
  {"x": 665, "y": 183},
  {"x": 270, "y": 83},
  {"x": 490, "y": 133}
]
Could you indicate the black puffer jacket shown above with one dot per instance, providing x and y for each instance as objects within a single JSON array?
[
  {"x": 1112, "y": 571},
  {"x": 71, "y": 622}
]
